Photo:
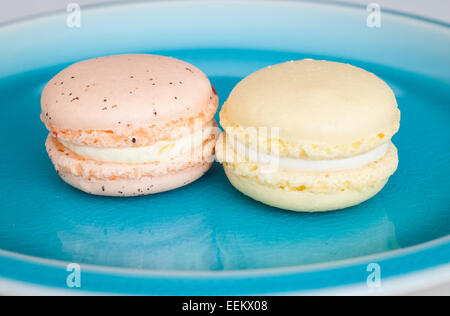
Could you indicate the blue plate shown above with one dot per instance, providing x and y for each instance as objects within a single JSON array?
[{"x": 207, "y": 238}]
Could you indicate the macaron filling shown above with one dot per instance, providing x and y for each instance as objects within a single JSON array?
[
  {"x": 161, "y": 150},
  {"x": 312, "y": 164}
]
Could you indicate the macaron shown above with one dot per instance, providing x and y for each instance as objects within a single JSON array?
[
  {"x": 309, "y": 135},
  {"x": 130, "y": 125}
]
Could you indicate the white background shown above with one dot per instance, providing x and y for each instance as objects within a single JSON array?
[
  {"x": 435, "y": 9},
  {"x": 14, "y": 9}
]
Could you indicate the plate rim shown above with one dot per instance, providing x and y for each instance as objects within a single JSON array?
[
  {"x": 387, "y": 255},
  {"x": 334, "y": 266},
  {"x": 113, "y": 3},
  {"x": 391, "y": 284}
]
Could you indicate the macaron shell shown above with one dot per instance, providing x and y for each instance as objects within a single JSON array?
[
  {"x": 113, "y": 92},
  {"x": 313, "y": 102},
  {"x": 134, "y": 187},
  {"x": 303, "y": 201}
]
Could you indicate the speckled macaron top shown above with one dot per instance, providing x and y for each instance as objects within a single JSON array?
[
  {"x": 323, "y": 109},
  {"x": 110, "y": 100}
]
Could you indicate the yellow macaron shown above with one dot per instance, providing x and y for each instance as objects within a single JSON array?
[{"x": 309, "y": 135}]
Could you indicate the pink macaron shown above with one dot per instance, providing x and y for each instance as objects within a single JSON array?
[{"x": 130, "y": 125}]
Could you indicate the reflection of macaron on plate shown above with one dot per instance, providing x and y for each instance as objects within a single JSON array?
[
  {"x": 130, "y": 124},
  {"x": 309, "y": 135}
]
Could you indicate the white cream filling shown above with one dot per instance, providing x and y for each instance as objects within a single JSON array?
[
  {"x": 312, "y": 165},
  {"x": 159, "y": 151}
]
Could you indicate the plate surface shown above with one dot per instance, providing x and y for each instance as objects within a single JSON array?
[{"x": 207, "y": 238}]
